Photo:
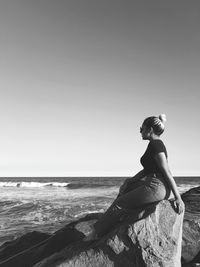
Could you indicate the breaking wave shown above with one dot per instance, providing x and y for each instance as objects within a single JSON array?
[{"x": 50, "y": 184}]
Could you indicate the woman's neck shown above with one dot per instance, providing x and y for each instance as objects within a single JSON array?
[{"x": 154, "y": 137}]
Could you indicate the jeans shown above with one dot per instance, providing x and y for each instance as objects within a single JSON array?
[{"x": 149, "y": 189}]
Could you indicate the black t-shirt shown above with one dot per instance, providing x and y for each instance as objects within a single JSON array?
[{"x": 148, "y": 161}]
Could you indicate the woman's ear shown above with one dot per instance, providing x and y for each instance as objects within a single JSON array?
[{"x": 151, "y": 130}]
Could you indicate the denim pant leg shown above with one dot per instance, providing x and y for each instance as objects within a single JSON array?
[
  {"x": 136, "y": 198},
  {"x": 109, "y": 218},
  {"x": 141, "y": 196}
]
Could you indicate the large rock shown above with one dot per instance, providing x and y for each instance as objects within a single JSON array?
[
  {"x": 191, "y": 226},
  {"x": 35, "y": 246},
  {"x": 33, "y": 254},
  {"x": 24, "y": 242},
  {"x": 150, "y": 237}
]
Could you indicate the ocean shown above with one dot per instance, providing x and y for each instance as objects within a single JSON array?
[{"x": 46, "y": 204}]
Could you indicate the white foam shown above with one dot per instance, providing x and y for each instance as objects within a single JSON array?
[
  {"x": 32, "y": 184},
  {"x": 9, "y": 184},
  {"x": 88, "y": 212},
  {"x": 60, "y": 184}
]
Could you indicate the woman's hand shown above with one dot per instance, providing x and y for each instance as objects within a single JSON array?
[{"x": 179, "y": 205}]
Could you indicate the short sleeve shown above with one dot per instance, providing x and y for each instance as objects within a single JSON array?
[{"x": 157, "y": 146}]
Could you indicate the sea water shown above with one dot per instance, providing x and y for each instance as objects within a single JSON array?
[{"x": 48, "y": 203}]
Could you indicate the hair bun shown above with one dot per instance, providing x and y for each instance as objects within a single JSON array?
[{"x": 162, "y": 117}]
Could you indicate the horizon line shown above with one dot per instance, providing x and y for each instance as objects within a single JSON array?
[{"x": 88, "y": 176}]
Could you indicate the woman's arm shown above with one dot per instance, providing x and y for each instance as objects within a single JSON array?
[{"x": 164, "y": 167}]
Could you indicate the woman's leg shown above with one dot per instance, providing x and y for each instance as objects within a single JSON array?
[{"x": 136, "y": 198}]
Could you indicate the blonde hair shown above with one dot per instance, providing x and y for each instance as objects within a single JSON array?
[{"x": 157, "y": 123}]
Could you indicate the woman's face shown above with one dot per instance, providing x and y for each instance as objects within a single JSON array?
[{"x": 145, "y": 132}]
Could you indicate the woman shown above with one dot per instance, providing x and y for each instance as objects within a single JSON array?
[{"x": 152, "y": 184}]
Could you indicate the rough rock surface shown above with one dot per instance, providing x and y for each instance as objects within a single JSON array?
[
  {"x": 153, "y": 240},
  {"x": 191, "y": 226},
  {"x": 26, "y": 241},
  {"x": 33, "y": 254},
  {"x": 35, "y": 246}
]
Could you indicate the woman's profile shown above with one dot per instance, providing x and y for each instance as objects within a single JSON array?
[{"x": 152, "y": 184}]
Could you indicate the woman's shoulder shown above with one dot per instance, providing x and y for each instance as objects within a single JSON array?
[
  {"x": 157, "y": 144},
  {"x": 156, "y": 141}
]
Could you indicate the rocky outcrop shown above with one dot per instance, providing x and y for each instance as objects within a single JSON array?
[
  {"x": 150, "y": 237},
  {"x": 35, "y": 246},
  {"x": 127, "y": 244},
  {"x": 24, "y": 242},
  {"x": 32, "y": 254},
  {"x": 191, "y": 226}
]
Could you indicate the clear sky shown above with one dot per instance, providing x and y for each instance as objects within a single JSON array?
[{"x": 78, "y": 77}]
